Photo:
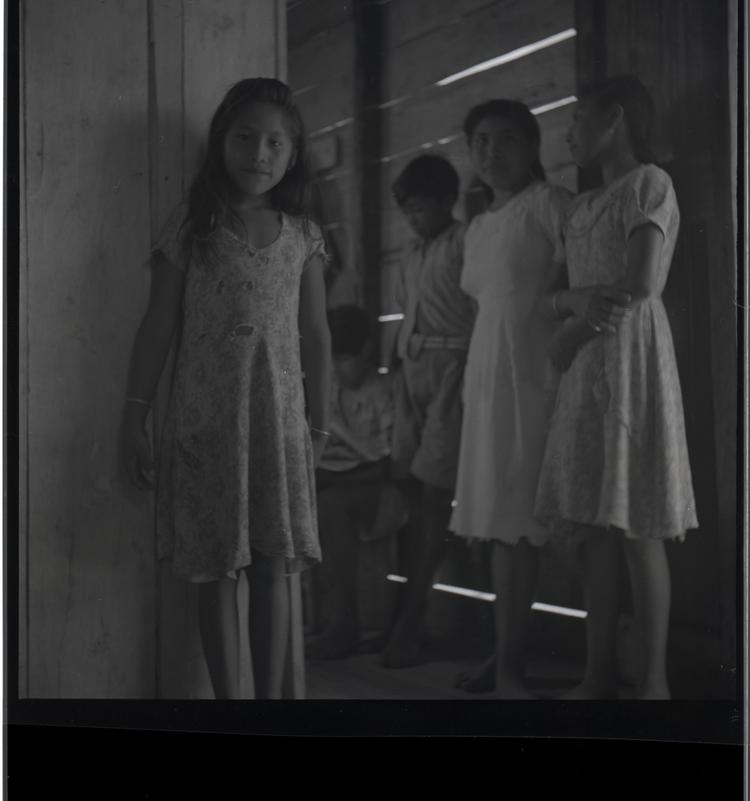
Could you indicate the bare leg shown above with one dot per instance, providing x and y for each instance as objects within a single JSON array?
[
  {"x": 650, "y": 582},
  {"x": 405, "y": 644},
  {"x": 219, "y": 627},
  {"x": 600, "y": 577},
  {"x": 269, "y": 623},
  {"x": 514, "y": 577},
  {"x": 339, "y": 573}
]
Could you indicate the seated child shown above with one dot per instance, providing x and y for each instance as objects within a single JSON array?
[
  {"x": 432, "y": 344},
  {"x": 352, "y": 479}
]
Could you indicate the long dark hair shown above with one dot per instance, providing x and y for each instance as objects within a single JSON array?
[
  {"x": 516, "y": 112},
  {"x": 627, "y": 91},
  {"x": 209, "y": 198}
]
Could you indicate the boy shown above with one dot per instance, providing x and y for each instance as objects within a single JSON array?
[
  {"x": 432, "y": 344},
  {"x": 354, "y": 493}
]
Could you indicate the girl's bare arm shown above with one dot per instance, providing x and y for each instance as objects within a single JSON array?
[
  {"x": 643, "y": 263},
  {"x": 315, "y": 346},
  {"x": 150, "y": 350},
  {"x": 155, "y": 333}
]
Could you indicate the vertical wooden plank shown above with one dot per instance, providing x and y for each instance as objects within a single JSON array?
[
  {"x": 181, "y": 668},
  {"x": 23, "y": 396},
  {"x": 91, "y": 566},
  {"x": 224, "y": 43},
  {"x": 729, "y": 546}
]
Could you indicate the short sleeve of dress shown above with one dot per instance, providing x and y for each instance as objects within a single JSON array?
[
  {"x": 171, "y": 240},
  {"x": 649, "y": 198},
  {"x": 316, "y": 246},
  {"x": 551, "y": 211}
]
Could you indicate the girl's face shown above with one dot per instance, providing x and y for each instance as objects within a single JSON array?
[
  {"x": 258, "y": 149},
  {"x": 502, "y": 156},
  {"x": 589, "y": 135},
  {"x": 427, "y": 216}
]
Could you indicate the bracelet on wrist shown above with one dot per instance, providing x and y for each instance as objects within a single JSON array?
[{"x": 320, "y": 431}]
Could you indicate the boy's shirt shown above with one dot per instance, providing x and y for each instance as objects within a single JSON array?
[
  {"x": 428, "y": 290},
  {"x": 361, "y": 424}
]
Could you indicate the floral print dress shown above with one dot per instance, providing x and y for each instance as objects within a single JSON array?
[
  {"x": 616, "y": 452},
  {"x": 235, "y": 470}
]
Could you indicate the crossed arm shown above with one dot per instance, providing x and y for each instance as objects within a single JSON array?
[{"x": 596, "y": 310}]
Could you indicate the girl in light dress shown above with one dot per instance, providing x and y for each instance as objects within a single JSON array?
[
  {"x": 616, "y": 467},
  {"x": 513, "y": 257},
  {"x": 239, "y": 267}
]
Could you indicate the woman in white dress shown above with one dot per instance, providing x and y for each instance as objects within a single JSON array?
[{"x": 513, "y": 257}]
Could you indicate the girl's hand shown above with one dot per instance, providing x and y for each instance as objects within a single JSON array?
[
  {"x": 136, "y": 453},
  {"x": 602, "y": 307}
]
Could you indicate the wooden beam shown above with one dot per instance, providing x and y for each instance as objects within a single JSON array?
[
  {"x": 483, "y": 34},
  {"x": 439, "y": 112}
]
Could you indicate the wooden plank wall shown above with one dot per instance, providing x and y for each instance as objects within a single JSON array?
[
  {"x": 680, "y": 51},
  {"x": 88, "y": 541},
  {"x": 321, "y": 71},
  {"x": 115, "y": 102},
  {"x": 426, "y": 42}
]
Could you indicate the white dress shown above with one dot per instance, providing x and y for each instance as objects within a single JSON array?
[{"x": 512, "y": 257}]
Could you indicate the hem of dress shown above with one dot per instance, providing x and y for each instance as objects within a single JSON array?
[
  {"x": 537, "y": 542},
  {"x": 558, "y": 526},
  {"x": 294, "y": 564}
]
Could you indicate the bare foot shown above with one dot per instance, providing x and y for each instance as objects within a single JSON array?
[
  {"x": 334, "y": 644},
  {"x": 479, "y": 680},
  {"x": 592, "y": 690}
]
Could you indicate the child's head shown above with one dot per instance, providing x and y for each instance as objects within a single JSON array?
[
  {"x": 350, "y": 339},
  {"x": 504, "y": 141},
  {"x": 615, "y": 114},
  {"x": 256, "y": 147},
  {"x": 256, "y": 143},
  {"x": 426, "y": 191}
]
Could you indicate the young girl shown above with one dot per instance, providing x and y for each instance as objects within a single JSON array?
[
  {"x": 616, "y": 460},
  {"x": 513, "y": 257},
  {"x": 241, "y": 268}
]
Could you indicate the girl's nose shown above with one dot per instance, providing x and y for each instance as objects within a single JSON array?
[{"x": 258, "y": 151}]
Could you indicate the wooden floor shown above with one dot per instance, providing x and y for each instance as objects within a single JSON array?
[{"x": 360, "y": 677}]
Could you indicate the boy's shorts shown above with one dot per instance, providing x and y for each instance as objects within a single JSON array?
[{"x": 427, "y": 425}]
